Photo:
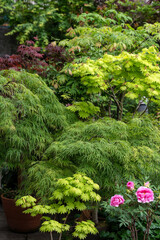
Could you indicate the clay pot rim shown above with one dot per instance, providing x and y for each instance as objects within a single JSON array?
[
  {"x": 3, "y": 196},
  {"x": 12, "y": 199}
]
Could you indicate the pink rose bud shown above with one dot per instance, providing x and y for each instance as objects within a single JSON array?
[
  {"x": 144, "y": 195},
  {"x": 68, "y": 104},
  {"x": 130, "y": 185},
  {"x": 146, "y": 184},
  {"x": 116, "y": 200}
]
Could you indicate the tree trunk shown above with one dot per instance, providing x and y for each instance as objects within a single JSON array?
[
  {"x": 95, "y": 214},
  {"x": 120, "y": 113},
  {"x": 109, "y": 108}
]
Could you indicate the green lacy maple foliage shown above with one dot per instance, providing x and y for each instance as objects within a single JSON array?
[
  {"x": 84, "y": 109},
  {"x": 108, "y": 151},
  {"x": 30, "y": 115}
]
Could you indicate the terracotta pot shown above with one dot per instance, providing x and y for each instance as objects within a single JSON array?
[{"x": 17, "y": 220}]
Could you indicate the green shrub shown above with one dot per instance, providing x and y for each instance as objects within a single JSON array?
[
  {"x": 107, "y": 150},
  {"x": 30, "y": 115}
]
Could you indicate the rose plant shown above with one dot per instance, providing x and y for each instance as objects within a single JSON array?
[{"x": 136, "y": 207}]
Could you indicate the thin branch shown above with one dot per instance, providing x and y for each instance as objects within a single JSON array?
[
  {"x": 60, "y": 235},
  {"x": 145, "y": 109},
  {"x": 109, "y": 108},
  {"x": 114, "y": 95},
  {"x": 12, "y": 81},
  {"x": 140, "y": 43},
  {"x": 94, "y": 137},
  {"x": 136, "y": 109},
  {"x": 114, "y": 98},
  {"x": 121, "y": 104}
]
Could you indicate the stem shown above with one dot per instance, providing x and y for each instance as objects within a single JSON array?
[
  {"x": 113, "y": 94},
  {"x": 51, "y": 235},
  {"x": 149, "y": 225},
  {"x": 114, "y": 97},
  {"x": 146, "y": 226},
  {"x": 94, "y": 137},
  {"x": 133, "y": 233},
  {"x": 95, "y": 214},
  {"x": 109, "y": 108},
  {"x": 66, "y": 219},
  {"x": 136, "y": 109},
  {"x": 0, "y": 179},
  {"x": 149, "y": 222},
  {"x": 60, "y": 236},
  {"x": 121, "y": 104},
  {"x": 141, "y": 42},
  {"x": 12, "y": 81},
  {"x": 133, "y": 230},
  {"x": 136, "y": 234},
  {"x": 145, "y": 109}
]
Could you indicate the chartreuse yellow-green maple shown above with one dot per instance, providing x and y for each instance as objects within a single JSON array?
[
  {"x": 71, "y": 193},
  {"x": 126, "y": 75}
]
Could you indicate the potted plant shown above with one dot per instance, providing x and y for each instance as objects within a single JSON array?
[
  {"x": 16, "y": 219},
  {"x": 30, "y": 115},
  {"x": 71, "y": 193}
]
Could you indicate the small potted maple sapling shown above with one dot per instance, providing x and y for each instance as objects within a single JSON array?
[{"x": 71, "y": 193}]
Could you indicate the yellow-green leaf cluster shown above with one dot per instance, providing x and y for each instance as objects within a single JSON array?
[
  {"x": 134, "y": 75},
  {"x": 84, "y": 109},
  {"x": 84, "y": 228},
  {"x": 52, "y": 225},
  {"x": 71, "y": 193}
]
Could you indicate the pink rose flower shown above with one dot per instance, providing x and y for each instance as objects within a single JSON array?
[
  {"x": 144, "y": 195},
  {"x": 116, "y": 200},
  {"x": 130, "y": 185}
]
